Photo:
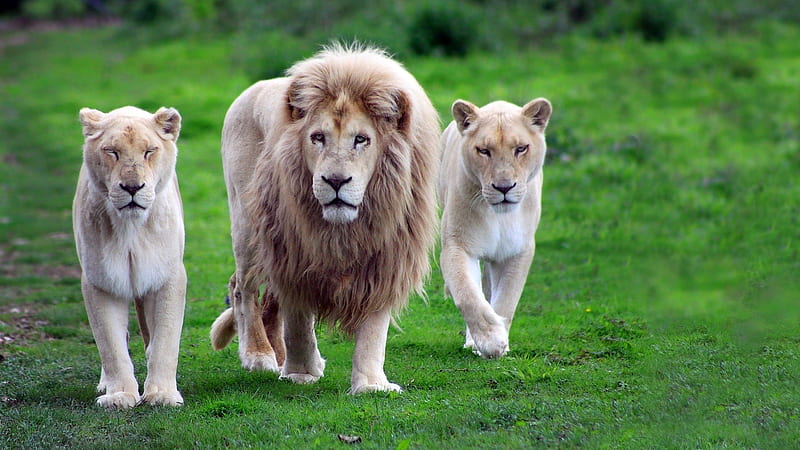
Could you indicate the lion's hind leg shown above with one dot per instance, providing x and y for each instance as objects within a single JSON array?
[
  {"x": 224, "y": 327},
  {"x": 273, "y": 325},
  {"x": 255, "y": 350}
]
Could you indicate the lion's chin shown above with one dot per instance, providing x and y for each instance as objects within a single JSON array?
[
  {"x": 132, "y": 211},
  {"x": 339, "y": 214},
  {"x": 504, "y": 207}
]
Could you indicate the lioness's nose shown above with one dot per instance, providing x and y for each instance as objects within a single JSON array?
[
  {"x": 131, "y": 188},
  {"x": 504, "y": 188},
  {"x": 336, "y": 181}
]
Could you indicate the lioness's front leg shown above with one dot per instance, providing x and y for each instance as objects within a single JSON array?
[
  {"x": 487, "y": 330},
  {"x": 163, "y": 313},
  {"x": 303, "y": 362},
  {"x": 108, "y": 317},
  {"x": 369, "y": 355},
  {"x": 508, "y": 281}
]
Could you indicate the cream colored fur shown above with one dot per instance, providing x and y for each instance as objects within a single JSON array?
[
  {"x": 128, "y": 223},
  {"x": 490, "y": 188},
  {"x": 331, "y": 189}
]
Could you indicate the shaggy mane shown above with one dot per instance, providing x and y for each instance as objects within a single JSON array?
[{"x": 346, "y": 272}]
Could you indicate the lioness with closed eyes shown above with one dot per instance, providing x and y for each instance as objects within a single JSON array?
[{"x": 128, "y": 222}]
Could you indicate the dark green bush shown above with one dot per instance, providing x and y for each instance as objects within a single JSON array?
[
  {"x": 53, "y": 9},
  {"x": 656, "y": 20},
  {"x": 449, "y": 29},
  {"x": 267, "y": 54}
]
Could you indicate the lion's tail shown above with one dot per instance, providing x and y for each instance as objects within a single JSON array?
[{"x": 223, "y": 330}]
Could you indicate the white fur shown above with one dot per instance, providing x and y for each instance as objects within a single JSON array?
[
  {"x": 132, "y": 254},
  {"x": 498, "y": 145}
]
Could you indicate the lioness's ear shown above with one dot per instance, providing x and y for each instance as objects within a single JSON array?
[
  {"x": 537, "y": 113},
  {"x": 90, "y": 121},
  {"x": 168, "y": 123},
  {"x": 464, "y": 113}
]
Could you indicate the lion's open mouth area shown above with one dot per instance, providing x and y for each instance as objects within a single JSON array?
[
  {"x": 339, "y": 203},
  {"x": 338, "y": 211},
  {"x": 132, "y": 205}
]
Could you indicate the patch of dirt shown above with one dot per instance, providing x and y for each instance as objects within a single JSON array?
[
  {"x": 10, "y": 267},
  {"x": 19, "y": 326}
]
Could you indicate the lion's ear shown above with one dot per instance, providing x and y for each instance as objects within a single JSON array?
[
  {"x": 168, "y": 123},
  {"x": 464, "y": 113},
  {"x": 537, "y": 113},
  {"x": 90, "y": 121},
  {"x": 401, "y": 110},
  {"x": 390, "y": 105},
  {"x": 293, "y": 100}
]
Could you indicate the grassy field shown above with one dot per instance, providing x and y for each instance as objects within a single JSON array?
[{"x": 661, "y": 309}]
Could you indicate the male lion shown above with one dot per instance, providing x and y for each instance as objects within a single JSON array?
[
  {"x": 128, "y": 223},
  {"x": 331, "y": 188},
  {"x": 490, "y": 188}
]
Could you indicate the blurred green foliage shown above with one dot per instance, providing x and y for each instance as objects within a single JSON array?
[{"x": 412, "y": 27}]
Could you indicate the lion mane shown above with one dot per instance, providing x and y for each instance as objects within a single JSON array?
[{"x": 346, "y": 272}]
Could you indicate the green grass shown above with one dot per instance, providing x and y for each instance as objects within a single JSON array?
[{"x": 660, "y": 311}]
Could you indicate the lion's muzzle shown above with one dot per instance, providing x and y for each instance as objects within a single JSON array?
[{"x": 339, "y": 197}]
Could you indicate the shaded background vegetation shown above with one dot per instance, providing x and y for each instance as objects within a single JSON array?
[{"x": 273, "y": 34}]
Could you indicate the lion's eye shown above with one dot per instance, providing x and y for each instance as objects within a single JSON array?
[
  {"x": 112, "y": 152},
  {"x": 483, "y": 151},
  {"x": 359, "y": 139},
  {"x": 149, "y": 152},
  {"x": 521, "y": 149},
  {"x": 317, "y": 138}
]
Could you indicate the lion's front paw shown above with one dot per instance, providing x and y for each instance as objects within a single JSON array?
[
  {"x": 489, "y": 342},
  {"x": 119, "y": 400},
  {"x": 300, "y": 378},
  {"x": 265, "y": 362},
  {"x": 376, "y": 387},
  {"x": 163, "y": 398}
]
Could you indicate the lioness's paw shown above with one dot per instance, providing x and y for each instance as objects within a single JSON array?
[
  {"x": 163, "y": 398},
  {"x": 491, "y": 344},
  {"x": 378, "y": 387},
  {"x": 300, "y": 378},
  {"x": 119, "y": 400},
  {"x": 265, "y": 362}
]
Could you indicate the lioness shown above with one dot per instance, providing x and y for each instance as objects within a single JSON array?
[
  {"x": 490, "y": 189},
  {"x": 331, "y": 175},
  {"x": 128, "y": 223}
]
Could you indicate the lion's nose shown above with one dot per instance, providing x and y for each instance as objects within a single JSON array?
[
  {"x": 504, "y": 188},
  {"x": 131, "y": 188},
  {"x": 336, "y": 181}
]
